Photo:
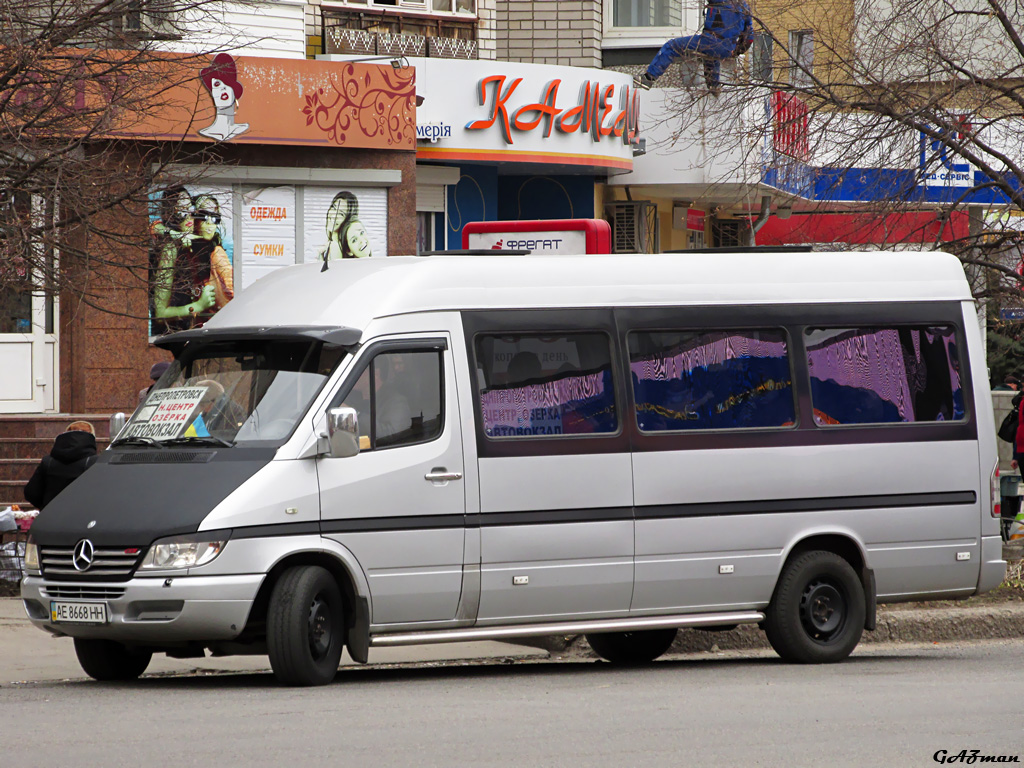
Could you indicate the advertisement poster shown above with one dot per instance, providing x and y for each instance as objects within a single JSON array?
[
  {"x": 345, "y": 223},
  {"x": 191, "y": 273},
  {"x": 268, "y": 231}
]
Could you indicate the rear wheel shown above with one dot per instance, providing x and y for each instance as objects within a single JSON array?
[
  {"x": 817, "y": 613},
  {"x": 305, "y": 626},
  {"x": 109, "y": 661},
  {"x": 632, "y": 647}
]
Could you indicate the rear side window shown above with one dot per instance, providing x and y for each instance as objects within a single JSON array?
[
  {"x": 884, "y": 375},
  {"x": 545, "y": 385},
  {"x": 696, "y": 380}
]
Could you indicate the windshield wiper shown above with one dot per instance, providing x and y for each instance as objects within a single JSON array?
[
  {"x": 197, "y": 440},
  {"x": 136, "y": 440}
]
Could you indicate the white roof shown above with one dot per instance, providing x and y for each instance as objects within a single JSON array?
[{"x": 352, "y": 292}]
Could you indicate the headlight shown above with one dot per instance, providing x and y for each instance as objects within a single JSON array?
[
  {"x": 31, "y": 556},
  {"x": 185, "y": 552}
]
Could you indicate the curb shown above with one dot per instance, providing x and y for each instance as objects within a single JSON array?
[
  {"x": 1000, "y": 621},
  {"x": 916, "y": 625}
]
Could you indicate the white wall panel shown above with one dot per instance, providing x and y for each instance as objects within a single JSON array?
[
  {"x": 270, "y": 29},
  {"x": 15, "y": 371}
]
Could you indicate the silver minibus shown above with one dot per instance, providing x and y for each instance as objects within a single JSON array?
[{"x": 447, "y": 448}]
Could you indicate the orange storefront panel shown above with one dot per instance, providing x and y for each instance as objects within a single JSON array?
[{"x": 245, "y": 100}]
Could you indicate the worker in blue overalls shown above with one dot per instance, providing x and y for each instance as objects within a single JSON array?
[{"x": 728, "y": 32}]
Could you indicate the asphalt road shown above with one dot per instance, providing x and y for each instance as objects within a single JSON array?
[{"x": 889, "y": 705}]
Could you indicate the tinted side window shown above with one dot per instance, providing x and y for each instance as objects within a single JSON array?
[
  {"x": 693, "y": 380},
  {"x": 884, "y": 375},
  {"x": 530, "y": 385},
  {"x": 399, "y": 399}
]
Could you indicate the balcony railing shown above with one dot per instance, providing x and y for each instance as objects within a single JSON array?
[{"x": 373, "y": 34}]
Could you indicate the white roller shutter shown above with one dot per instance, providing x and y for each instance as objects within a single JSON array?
[
  {"x": 268, "y": 231},
  {"x": 372, "y": 212},
  {"x": 431, "y": 185},
  {"x": 430, "y": 198}
]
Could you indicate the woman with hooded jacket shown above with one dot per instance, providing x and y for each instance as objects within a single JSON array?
[{"x": 73, "y": 452}]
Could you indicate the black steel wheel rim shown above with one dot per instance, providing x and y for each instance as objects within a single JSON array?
[
  {"x": 823, "y": 610},
  {"x": 321, "y": 632}
]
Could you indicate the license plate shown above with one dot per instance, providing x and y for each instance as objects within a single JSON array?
[{"x": 78, "y": 613}]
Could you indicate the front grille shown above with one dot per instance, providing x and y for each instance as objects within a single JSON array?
[
  {"x": 65, "y": 592},
  {"x": 117, "y": 564}
]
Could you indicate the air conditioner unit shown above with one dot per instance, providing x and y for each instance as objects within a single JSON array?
[{"x": 634, "y": 226}]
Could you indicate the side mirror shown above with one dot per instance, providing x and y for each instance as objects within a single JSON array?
[
  {"x": 343, "y": 432},
  {"x": 117, "y": 422}
]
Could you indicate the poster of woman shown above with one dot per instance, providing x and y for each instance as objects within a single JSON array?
[
  {"x": 191, "y": 272},
  {"x": 345, "y": 224}
]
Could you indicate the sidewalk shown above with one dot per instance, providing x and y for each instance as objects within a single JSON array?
[{"x": 28, "y": 655}]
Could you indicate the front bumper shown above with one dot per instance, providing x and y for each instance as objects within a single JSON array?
[{"x": 151, "y": 611}]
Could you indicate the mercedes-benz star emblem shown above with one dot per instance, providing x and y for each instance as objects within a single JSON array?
[{"x": 84, "y": 554}]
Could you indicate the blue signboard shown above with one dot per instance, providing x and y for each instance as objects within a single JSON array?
[{"x": 938, "y": 179}]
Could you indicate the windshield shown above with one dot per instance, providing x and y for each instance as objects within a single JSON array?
[{"x": 233, "y": 392}]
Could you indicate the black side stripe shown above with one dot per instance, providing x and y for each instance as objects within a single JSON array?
[
  {"x": 547, "y": 517},
  {"x": 276, "y": 529},
  {"x": 776, "y": 506},
  {"x": 653, "y": 512},
  {"x": 403, "y": 523}
]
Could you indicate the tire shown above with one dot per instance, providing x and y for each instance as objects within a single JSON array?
[
  {"x": 108, "y": 661},
  {"x": 816, "y": 615},
  {"x": 305, "y": 627},
  {"x": 628, "y": 648}
]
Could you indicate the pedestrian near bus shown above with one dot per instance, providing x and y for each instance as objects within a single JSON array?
[
  {"x": 73, "y": 452},
  {"x": 155, "y": 372},
  {"x": 1010, "y": 382},
  {"x": 1018, "y": 443}
]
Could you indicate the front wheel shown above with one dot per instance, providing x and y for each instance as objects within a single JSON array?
[
  {"x": 632, "y": 647},
  {"x": 108, "y": 661},
  {"x": 305, "y": 626},
  {"x": 816, "y": 615}
]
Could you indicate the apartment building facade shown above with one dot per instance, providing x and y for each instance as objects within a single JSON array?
[{"x": 498, "y": 133}]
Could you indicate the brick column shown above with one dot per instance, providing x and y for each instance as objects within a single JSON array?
[
  {"x": 566, "y": 32},
  {"x": 486, "y": 32}
]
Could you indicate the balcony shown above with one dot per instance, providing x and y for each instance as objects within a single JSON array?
[{"x": 374, "y": 33}]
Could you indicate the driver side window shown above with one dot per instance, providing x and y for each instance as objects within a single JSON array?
[{"x": 398, "y": 398}]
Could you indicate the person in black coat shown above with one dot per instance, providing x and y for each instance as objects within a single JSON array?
[{"x": 73, "y": 452}]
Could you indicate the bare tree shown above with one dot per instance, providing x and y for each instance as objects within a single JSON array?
[
  {"x": 930, "y": 90},
  {"x": 881, "y": 107},
  {"x": 76, "y": 78}
]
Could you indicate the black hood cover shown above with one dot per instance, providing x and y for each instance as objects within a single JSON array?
[
  {"x": 70, "y": 447},
  {"x": 133, "y": 504}
]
